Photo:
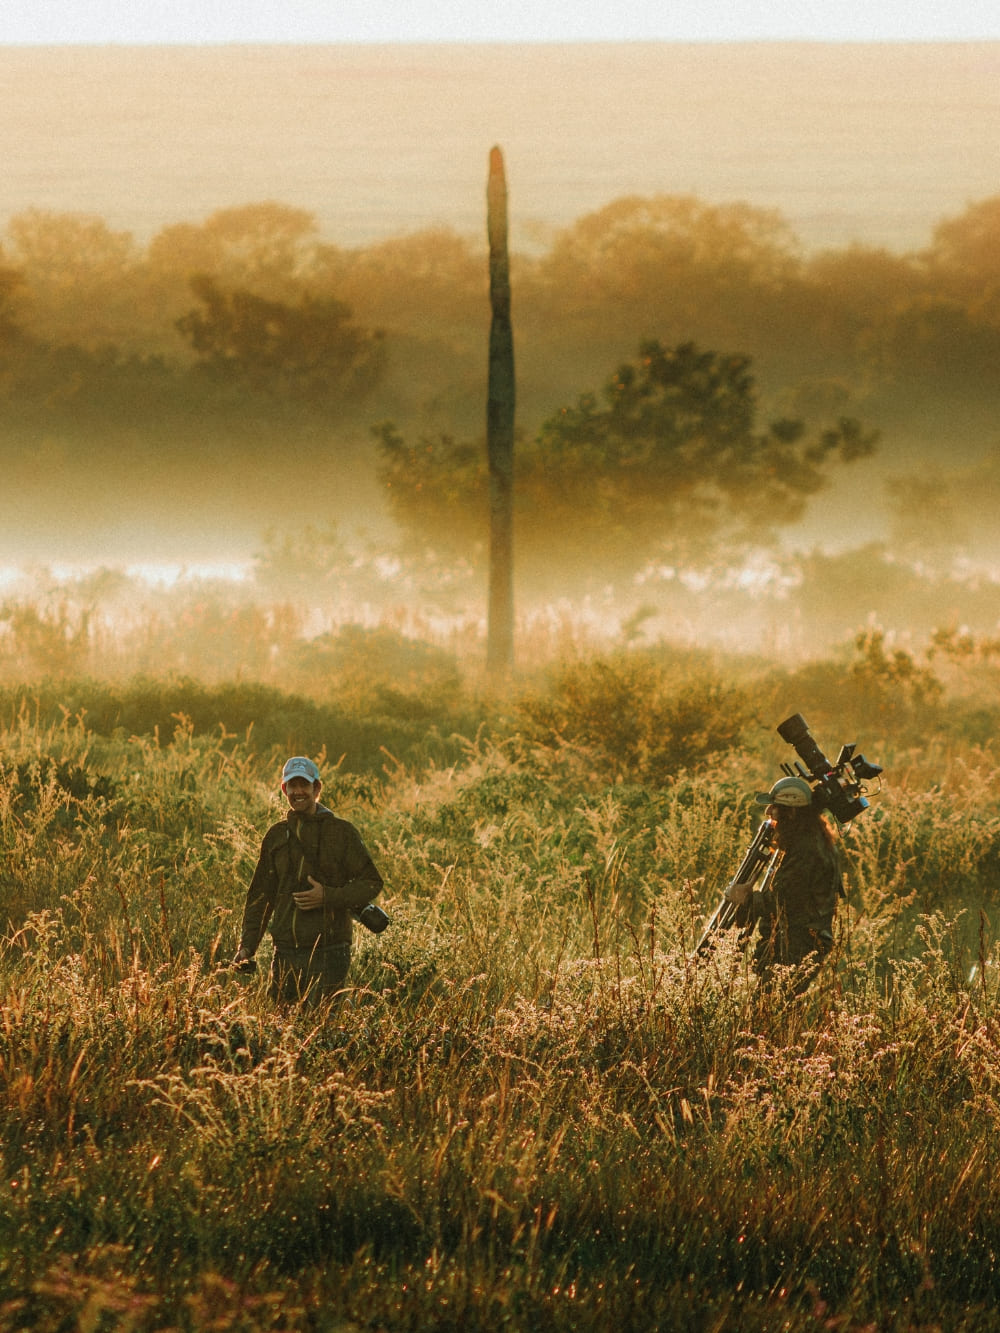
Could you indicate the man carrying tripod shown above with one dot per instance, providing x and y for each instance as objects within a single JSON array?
[
  {"x": 796, "y": 851},
  {"x": 313, "y": 875},
  {"x": 796, "y": 904}
]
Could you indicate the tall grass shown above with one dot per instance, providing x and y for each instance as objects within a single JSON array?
[{"x": 533, "y": 1111}]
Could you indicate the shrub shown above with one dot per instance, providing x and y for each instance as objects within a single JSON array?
[{"x": 636, "y": 719}]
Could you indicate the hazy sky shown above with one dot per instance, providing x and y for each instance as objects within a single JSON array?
[{"x": 195, "y": 21}]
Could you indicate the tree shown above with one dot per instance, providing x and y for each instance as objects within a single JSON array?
[
  {"x": 11, "y": 282},
  {"x": 967, "y": 248},
  {"x": 81, "y": 278},
  {"x": 309, "y": 350},
  {"x": 861, "y": 281},
  {"x": 266, "y": 247},
  {"x": 668, "y": 465},
  {"x": 845, "y": 292},
  {"x": 934, "y": 348},
  {"x": 427, "y": 283},
  {"x": 638, "y": 261},
  {"x": 672, "y": 463},
  {"x": 12, "y": 338}
]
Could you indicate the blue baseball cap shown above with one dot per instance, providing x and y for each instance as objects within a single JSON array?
[{"x": 299, "y": 767}]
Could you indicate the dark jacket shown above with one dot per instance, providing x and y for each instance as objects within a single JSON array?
[
  {"x": 326, "y": 847},
  {"x": 796, "y": 909}
]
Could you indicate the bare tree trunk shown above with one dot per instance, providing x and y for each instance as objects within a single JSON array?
[{"x": 500, "y": 429}]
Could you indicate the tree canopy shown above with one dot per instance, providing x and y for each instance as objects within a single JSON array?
[
  {"x": 668, "y": 463},
  {"x": 311, "y": 348},
  {"x": 99, "y": 332}
]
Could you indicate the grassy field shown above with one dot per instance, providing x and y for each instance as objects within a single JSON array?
[{"x": 534, "y": 1112}]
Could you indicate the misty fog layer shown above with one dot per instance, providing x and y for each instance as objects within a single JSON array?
[
  {"x": 180, "y": 398},
  {"x": 252, "y": 387}
]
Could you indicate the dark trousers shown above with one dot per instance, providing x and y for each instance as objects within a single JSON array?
[
  {"x": 309, "y": 976},
  {"x": 793, "y": 947}
]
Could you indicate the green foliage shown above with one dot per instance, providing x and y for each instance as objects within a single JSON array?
[
  {"x": 674, "y": 455},
  {"x": 10, "y": 334},
  {"x": 674, "y": 267},
  {"x": 963, "y": 253},
  {"x": 267, "y": 246},
  {"x": 890, "y": 679},
  {"x": 376, "y": 716},
  {"x": 671, "y": 264},
  {"x": 99, "y": 396},
  {"x": 934, "y": 346},
  {"x": 672, "y": 464},
  {"x": 436, "y": 489},
  {"x": 310, "y": 350},
  {"x": 80, "y": 275},
  {"x": 638, "y": 719}
]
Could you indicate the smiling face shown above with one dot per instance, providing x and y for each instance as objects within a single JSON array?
[{"x": 302, "y": 795}]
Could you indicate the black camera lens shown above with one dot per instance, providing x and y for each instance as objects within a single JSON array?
[
  {"x": 795, "y": 732},
  {"x": 793, "y": 729},
  {"x": 372, "y": 918}
]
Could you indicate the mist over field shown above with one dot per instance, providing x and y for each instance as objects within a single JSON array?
[{"x": 220, "y": 284}]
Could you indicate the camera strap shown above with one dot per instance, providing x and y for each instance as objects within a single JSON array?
[{"x": 306, "y": 867}]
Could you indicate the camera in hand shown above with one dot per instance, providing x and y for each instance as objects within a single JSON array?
[
  {"x": 837, "y": 787},
  {"x": 372, "y": 918}
]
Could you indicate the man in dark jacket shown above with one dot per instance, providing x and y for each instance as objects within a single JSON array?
[
  {"x": 796, "y": 906},
  {"x": 313, "y": 871}
]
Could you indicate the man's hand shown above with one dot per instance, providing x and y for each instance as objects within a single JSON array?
[
  {"x": 309, "y": 899},
  {"x": 738, "y": 894}
]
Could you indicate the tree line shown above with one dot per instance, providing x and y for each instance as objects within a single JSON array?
[
  {"x": 252, "y": 314},
  {"x": 254, "y": 292}
]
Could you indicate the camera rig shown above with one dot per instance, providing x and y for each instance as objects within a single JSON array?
[{"x": 839, "y": 788}]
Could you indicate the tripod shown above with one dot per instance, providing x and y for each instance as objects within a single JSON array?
[{"x": 761, "y": 858}]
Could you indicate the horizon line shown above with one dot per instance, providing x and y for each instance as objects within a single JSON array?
[{"x": 243, "y": 42}]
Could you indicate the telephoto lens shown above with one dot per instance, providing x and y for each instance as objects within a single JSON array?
[{"x": 795, "y": 732}]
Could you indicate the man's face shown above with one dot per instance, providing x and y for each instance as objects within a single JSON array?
[{"x": 302, "y": 795}]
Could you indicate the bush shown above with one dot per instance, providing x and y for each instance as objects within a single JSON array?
[{"x": 638, "y": 719}]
